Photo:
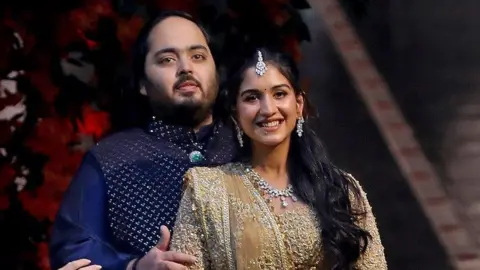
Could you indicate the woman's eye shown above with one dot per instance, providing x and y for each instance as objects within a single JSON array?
[
  {"x": 279, "y": 94},
  {"x": 251, "y": 98}
]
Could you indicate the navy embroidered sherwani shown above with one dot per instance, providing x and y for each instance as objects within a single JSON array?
[{"x": 127, "y": 187}]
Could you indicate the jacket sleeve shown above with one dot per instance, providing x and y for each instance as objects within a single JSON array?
[{"x": 81, "y": 228}]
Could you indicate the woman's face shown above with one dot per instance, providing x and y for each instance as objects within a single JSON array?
[{"x": 267, "y": 107}]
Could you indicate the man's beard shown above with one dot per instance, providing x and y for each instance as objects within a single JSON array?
[{"x": 190, "y": 113}]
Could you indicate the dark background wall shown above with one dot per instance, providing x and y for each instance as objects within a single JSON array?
[{"x": 428, "y": 52}]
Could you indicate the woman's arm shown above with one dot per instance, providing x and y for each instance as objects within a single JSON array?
[
  {"x": 374, "y": 256},
  {"x": 188, "y": 233}
]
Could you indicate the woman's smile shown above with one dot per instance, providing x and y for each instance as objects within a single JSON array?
[{"x": 270, "y": 125}]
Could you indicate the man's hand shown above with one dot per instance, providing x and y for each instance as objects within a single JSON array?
[
  {"x": 158, "y": 258},
  {"x": 82, "y": 264}
]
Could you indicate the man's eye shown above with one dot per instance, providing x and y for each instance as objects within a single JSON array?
[
  {"x": 166, "y": 60},
  {"x": 198, "y": 57}
]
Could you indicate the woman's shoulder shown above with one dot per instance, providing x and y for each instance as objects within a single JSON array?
[
  {"x": 208, "y": 185},
  {"x": 214, "y": 171},
  {"x": 357, "y": 194},
  {"x": 208, "y": 176},
  {"x": 354, "y": 183}
]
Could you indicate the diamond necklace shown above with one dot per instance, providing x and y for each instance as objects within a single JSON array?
[{"x": 270, "y": 191}]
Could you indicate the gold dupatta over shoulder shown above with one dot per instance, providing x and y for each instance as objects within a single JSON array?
[{"x": 225, "y": 222}]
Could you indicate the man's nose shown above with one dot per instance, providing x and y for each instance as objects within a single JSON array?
[{"x": 184, "y": 66}]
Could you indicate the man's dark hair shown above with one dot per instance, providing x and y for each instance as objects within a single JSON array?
[{"x": 137, "y": 106}]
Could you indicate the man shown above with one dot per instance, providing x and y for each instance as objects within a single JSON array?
[{"x": 131, "y": 183}]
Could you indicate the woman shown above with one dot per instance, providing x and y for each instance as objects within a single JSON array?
[{"x": 283, "y": 205}]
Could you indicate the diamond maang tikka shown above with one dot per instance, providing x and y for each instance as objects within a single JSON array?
[{"x": 260, "y": 67}]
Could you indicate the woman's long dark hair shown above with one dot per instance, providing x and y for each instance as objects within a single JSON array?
[{"x": 317, "y": 182}]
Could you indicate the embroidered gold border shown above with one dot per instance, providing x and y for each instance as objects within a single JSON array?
[{"x": 264, "y": 206}]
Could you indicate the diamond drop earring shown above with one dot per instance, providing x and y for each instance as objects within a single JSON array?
[
  {"x": 239, "y": 133},
  {"x": 300, "y": 122}
]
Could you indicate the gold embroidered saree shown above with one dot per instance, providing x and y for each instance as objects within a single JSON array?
[{"x": 226, "y": 223}]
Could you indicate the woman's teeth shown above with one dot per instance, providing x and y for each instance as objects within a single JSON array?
[{"x": 270, "y": 124}]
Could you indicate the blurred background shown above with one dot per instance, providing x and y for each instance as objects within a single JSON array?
[{"x": 63, "y": 65}]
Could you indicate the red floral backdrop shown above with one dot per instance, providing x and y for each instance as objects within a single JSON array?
[{"x": 56, "y": 93}]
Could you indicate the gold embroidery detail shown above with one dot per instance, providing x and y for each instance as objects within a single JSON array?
[{"x": 232, "y": 218}]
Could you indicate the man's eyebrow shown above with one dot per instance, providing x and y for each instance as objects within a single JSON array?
[
  {"x": 175, "y": 50},
  {"x": 197, "y": 47}
]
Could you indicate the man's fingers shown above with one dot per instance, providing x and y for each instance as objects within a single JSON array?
[
  {"x": 171, "y": 266},
  {"x": 164, "y": 239},
  {"x": 177, "y": 257},
  {"x": 91, "y": 267},
  {"x": 76, "y": 264}
]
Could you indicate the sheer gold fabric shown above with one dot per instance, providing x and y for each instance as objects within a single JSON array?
[{"x": 225, "y": 222}]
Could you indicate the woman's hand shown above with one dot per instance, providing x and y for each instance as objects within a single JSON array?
[{"x": 82, "y": 264}]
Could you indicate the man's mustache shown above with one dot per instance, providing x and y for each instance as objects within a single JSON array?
[{"x": 186, "y": 78}]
